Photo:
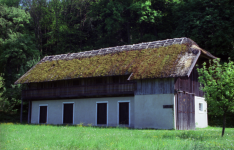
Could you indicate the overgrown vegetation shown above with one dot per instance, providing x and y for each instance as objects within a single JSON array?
[
  {"x": 19, "y": 136},
  {"x": 146, "y": 63}
]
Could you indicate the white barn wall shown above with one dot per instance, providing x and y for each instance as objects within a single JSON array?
[
  {"x": 200, "y": 116},
  {"x": 84, "y": 111},
  {"x": 149, "y": 111}
]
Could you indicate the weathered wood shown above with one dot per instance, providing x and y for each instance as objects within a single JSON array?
[
  {"x": 21, "y": 111},
  {"x": 29, "y": 111},
  {"x": 155, "y": 86},
  {"x": 185, "y": 111},
  {"x": 189, "y": 84},
  {"x": 80, "y": 91}
]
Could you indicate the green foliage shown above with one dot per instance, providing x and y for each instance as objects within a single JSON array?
[
  {"x": 209, "y": 23},
  {"x": 218, "y": 85},
  {"x": 17, "y": 49},
  {"x": 3, "y": 100},
  {"x": 24, "y": 136},
  {"x": 146, "y": 12},
  {"x": 10, "y": 3},
  {"x": 146, "y": 63}
]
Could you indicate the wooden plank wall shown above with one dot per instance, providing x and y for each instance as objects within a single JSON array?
[
  {"x": 189, "y": 84},
  {"x": 185, "y": 119},
  {"x": 155, "y": 86}
]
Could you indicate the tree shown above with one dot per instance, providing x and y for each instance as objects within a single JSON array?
[
  {"x": 218, "y": 84},
  {"x": 10, "y": 3},
  {"x": 209, "y": 23},
  {"x": 3, "y": 100},
  {"x": 17, "y": 48}
]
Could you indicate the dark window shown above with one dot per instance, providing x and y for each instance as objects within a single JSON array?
[
  {"x": 43, "y": 114},
  {"x": 124, "y": 113},
  {"x": 68, "y": 113},
  {"x": 101, "y": 113}
]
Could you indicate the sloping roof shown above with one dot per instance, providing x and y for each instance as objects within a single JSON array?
[{"x": 158, "y": 59}]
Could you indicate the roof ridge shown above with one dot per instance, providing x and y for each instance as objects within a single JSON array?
[{"x": 108, "y": 50}]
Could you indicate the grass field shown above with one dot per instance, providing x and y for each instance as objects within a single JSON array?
[{"x": 23, "y": 136}]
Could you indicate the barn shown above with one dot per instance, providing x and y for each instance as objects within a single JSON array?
[{"x": 146, "y": 85}]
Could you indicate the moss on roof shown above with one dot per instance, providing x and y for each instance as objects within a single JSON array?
[{"x": 145, "y": 63}]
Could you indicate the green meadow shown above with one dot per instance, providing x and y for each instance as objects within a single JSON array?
[{"x": 27, "y": 137}]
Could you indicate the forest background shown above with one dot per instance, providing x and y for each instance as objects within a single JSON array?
[{"x": 32, "y": 29}]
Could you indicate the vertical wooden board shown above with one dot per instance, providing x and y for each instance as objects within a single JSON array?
[
  {"x": 155, "y": 86},
  {"x": 160, "y": 86},
  {"x": 21, "y": 111},
  {"x": 176, "y": 83},
  {"x": 152, "y": 86},
  {"x": 143, "y": 87},
  {"x": 192, "y": 108},
  {"x": 29, "y": 109},
  {"x": 185, "y": 113}
]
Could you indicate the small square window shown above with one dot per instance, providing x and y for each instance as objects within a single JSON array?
[{"x": 200, "y": 106}]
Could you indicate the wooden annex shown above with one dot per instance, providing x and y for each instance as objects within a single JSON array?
[{"x": 146, "y": 85}]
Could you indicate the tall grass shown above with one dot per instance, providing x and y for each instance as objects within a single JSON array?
[{"x": 19, "y": 136}]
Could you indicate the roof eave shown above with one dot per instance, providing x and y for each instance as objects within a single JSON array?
[{"x": 194, "y": 63}]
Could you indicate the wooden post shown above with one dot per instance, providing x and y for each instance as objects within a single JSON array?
[
  {"x": 21, "y": 112},
  {"x": 29, "y": 111}
]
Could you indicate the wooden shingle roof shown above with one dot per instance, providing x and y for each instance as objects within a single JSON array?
[{"x": 167, "y": 58}]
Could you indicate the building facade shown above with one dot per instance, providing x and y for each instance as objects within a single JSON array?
[{"x": 147, "y": 85}]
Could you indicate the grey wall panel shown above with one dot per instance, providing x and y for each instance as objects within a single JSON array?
[
  {"x": 155, "y": 86},
  {"x": 149, "y": 111}
]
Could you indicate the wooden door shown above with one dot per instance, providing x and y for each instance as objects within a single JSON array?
[
  {"x": 185, "y": 111},
  {"x": 101, "y": 113},
  {"x": 68, "y": 114},
  {"x": 43, "y": 114},
  {"x": 124, "y": 113}
]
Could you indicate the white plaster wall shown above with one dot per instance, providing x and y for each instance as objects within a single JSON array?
[
  {"x": 149, "y": 111},
  {"x": 200, "y": 117},
  {"x": 84, "y": 111}
]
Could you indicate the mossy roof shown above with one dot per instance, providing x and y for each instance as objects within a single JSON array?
[{"x": 157, "y": 59}]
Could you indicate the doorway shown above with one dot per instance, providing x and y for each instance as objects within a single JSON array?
[
  {"x": 68, "y": 113},
  {"x": 101, "y": 113}
]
